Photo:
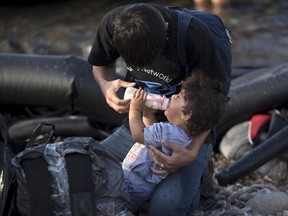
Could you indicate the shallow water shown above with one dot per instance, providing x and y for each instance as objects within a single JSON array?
[{"x": 259, "y": 28}]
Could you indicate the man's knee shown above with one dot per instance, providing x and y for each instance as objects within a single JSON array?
[{"x": 162, "y": 206}]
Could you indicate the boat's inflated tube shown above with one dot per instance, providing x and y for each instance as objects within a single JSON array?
[
  {"x": 65, "y": 126},
  {"x": 256, "y": 92},
  {"x": 53, "y": 81}
]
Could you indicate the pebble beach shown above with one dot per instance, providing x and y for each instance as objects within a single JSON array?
[{"x": 260, "y": 39}]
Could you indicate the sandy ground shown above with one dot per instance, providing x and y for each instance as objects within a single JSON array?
[{"x": 259, "y": 28}]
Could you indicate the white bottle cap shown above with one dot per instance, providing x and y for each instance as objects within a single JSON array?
[{"x": 129, "y": 92}]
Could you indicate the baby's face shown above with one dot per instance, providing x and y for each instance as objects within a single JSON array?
[{"x": 174, "y": 110}]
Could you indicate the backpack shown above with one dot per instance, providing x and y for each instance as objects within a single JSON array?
[
  {"x": 75, "y": 176},
  {"x": 218, "y": 32}
]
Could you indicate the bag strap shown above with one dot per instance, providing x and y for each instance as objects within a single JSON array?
[
  {"x": 37, "y": 176},
  {"x": 81, "y": 188},
  {"x": 182, "y": 26},
  {"x": 37, "y": 132},
  {"x": 38, "y": 186}
]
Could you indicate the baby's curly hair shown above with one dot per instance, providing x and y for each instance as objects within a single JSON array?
[{"x": 206, "y": 100}]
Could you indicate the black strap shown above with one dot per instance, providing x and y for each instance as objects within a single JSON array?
[
  {"x": 220, "y": 37},
  {"x": 38, "y": 186},
  {"x": 37, "y": 131},
  {"x": 38, "y": 178},
  {"x": 81, "y": 188},
  {"x": 182, "y": 26}
]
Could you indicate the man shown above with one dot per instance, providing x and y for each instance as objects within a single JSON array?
[{"x": 145, "y": 36}]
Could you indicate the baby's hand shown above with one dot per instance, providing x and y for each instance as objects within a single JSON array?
[{"x": 138, "y": 100}]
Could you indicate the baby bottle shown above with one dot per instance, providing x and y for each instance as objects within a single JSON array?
[{"x": 153, "y": 101}]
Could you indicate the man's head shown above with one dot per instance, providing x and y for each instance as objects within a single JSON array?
[
  {"x": 139, "y": 34},
  {"x": 205, "y": 102}
]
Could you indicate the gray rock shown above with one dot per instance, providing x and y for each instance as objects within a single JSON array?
[{"x": 269, "y": 203}]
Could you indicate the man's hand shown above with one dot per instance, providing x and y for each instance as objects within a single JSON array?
[
  {"x": 179, "y": 158},
  {"x": 110, "y": 85},
  {"x": 110, "y": 93}
]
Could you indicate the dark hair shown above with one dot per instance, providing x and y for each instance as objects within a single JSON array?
[
  {"x": 205, "y": 98},
  {"x": 139, "y": 34}
]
